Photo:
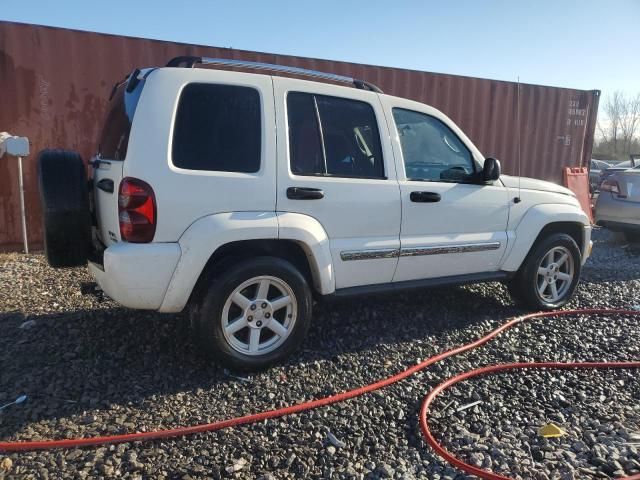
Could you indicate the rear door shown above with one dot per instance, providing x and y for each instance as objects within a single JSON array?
[
  {"x": 106, "y": 179},
  {"x": 335, "y": 164},
  {"x": 109, "y": 161}
]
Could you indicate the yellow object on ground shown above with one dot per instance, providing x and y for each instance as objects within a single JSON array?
[{"x": 551, "y": 431}]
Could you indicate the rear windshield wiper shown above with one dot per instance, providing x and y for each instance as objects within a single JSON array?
[
  {"x": 116, "y": 86},
  {"x": 133, "y": 83}
]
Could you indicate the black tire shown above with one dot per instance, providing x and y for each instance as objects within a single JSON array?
[
  {"x": 64, "y": 198},
  {"x": 523, "y": 288},
  {"x": 207, "y": 312},
  {"x": 513, "y": 287}
]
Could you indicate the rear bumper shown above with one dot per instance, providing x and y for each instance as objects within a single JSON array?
[
  {"x": 620, "y": 226},
  {"x": 617, "y": 214},
  {"x": 137, "y": 275}
]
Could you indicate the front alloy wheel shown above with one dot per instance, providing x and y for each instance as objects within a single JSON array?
[
  {"x": 555, "y": 274},
  {"x": 549, "y": 275}
]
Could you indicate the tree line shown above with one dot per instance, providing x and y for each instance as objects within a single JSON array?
[{"x": 618, "y": 127}]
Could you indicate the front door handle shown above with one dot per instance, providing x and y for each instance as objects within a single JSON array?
[
  {"x": 304, "y": 193},
  {"x": 425, "y": 197},
  {"x": 106, "y": 185}
]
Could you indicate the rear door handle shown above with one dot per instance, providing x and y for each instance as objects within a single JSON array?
[
  {"x": 304, "y": 193},
  {"x": 106, "y": 185},
  {"x": 425, "y": 197}
]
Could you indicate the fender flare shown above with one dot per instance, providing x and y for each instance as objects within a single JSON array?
[
  {"x": 530, "y": 226},
  {"x": 312, "y": 237},
  {"x": 207, "y": 234}
]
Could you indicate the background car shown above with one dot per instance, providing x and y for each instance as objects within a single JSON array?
[
  {"x": 618, "y": 205},
  {"x": 594, "y": 173},
  {"x": 619, "y": 167}
]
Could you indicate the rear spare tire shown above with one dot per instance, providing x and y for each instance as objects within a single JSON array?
[{"x": 64, "y": 198}]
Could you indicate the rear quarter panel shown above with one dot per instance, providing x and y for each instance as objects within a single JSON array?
[
  {"x": 183, "y": 196},
  {"x": 205, "y": 236}
]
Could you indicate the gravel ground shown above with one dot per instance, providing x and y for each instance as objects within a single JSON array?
[{"x": 92, "y": 368}]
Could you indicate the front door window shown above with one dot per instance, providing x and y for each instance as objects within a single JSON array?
[{"x": 431, "y": 150}]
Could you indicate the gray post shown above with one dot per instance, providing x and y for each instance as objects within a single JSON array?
[{"x": 23, "y": 212}]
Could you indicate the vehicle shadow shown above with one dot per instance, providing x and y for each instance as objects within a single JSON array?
[{"x": 72, "y": 362}]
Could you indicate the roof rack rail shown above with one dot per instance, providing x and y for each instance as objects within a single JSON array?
[{"x": 191, "y": 61}]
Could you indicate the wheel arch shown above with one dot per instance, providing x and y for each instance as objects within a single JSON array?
[
  {"x": 539, "y": 222},
  {"x": 231, "y": 253},
  {"x": 574, "y": 229},
  {"x": 216, "y": 241}
]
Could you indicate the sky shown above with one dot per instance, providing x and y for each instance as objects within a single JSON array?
[{"x": 582, "y": 44}]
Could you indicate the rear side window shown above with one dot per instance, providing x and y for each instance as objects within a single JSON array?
[
  {"x": 333, "y": 136},
  {"x": 217, "y": 128}
]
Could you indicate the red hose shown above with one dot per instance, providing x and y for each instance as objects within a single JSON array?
[
  {"x": 258, "y": 417},
  {"x": 424, "y": 425}
]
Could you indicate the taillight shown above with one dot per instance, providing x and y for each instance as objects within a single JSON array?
[
  {"x": 136, "y": 211},
  {"x": 610, "y": 186}
]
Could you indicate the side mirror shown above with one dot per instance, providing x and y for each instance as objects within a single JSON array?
[{"x": 491, "y": 170}]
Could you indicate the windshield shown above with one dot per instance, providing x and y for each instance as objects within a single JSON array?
[{"x": 114, "y": 139}]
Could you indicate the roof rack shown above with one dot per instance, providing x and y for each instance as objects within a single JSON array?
[{"x": 191, "y": 61}]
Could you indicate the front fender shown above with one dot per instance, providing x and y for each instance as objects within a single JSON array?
[{"x": 530, "y": 226}]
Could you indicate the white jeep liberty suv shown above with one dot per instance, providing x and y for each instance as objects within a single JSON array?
[{"x": 244, "y": 195}]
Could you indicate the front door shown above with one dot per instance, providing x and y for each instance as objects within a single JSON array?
[
  {"x": 451, "y": 223},
  {"x": 333, "y": 166}
]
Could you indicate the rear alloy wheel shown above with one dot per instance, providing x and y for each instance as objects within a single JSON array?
[
  {"x": 254, "y": 314},
  {"x": 259, "y": 315},
  {"x": 549, "y": 275}
]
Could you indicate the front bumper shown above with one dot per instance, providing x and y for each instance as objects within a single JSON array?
[
  {"x": 137, "y": 275},
  {"x": 587, "y": 244}
]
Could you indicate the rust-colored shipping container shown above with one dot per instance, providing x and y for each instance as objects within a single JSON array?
[{"x": 54, "y": 86}]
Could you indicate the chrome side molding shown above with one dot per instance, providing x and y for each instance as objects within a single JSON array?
[
  {"x": 442, "y": 249},
  {"x": 374, "y": 254}
]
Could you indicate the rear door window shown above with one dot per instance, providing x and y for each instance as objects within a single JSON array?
[
  {"x": 333, "y": 136},
  {"x": 218, "y": 128}
]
